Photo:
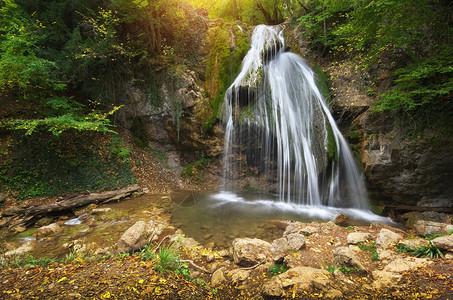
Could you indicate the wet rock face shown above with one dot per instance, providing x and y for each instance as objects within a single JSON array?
[{"x": 413, "y": 172}]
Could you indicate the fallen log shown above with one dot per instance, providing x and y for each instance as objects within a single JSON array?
[{"x": 75, "y": 202}]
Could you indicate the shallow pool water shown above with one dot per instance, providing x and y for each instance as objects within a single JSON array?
[{"x": 219, "y": 217}]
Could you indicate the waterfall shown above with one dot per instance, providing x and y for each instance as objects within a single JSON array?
[{"x": 279, "y": 129}]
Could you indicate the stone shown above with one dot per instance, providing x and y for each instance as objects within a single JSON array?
[
  {"x": 44, "y": 221},
  {"x": 26, "y": 247},
  {"x": 385, "y": 238},
  {"x": 302, "y": 277},
  {"x": 444, "y": 242},
  {"x": 19, "y": 229},
  {"x": 387, "y": 256},
  {"x": 95, "y": 211},
  {"x": 417, "y": 242},
  {"x": 358, "y": 237},
  {"x": 134, "y": 235},
  {"x": 346, "y": 256},
  {"x": 238, "y": 276},
  {"x": 279, "y": 248},
  {"x": 423, "y": 227},
  {"x": 333, "y": 294},
  {"x": 273, "y": 288},
  {"x": 296, "y": 241},
  {"x": 405, "y": 264},
  {"x": 302, "y": 228},
  {"x": 342, "y": 220},
  {"x": 51, "y": 229},
  {"x": 218, "y": 278},
  {"x": 394, "y": 271},
  {"x": 249, "y": 252}
]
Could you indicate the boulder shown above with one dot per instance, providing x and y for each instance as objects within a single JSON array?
[
  {"x": 405, "y": 264},
  {"x": 423, "y": 227},
  {"x": 249, "y": 252},
  {"x": 238, "y": 276},
  {"x": 218, "y": 278},
  {"x": 302, "y": 277},
  {"x": 134, "y": 235},
  {"x": 417, "y": 242},
  {"x": 51, "y": 229},
  {"x": 292, "y": 241},
  {"x": 394, "y": 271},
  {"x": 279, "y": 248},
  {"x": 26, "y": 247},
  {"x": 386, "y": 237},
  {"x": 346, "y": 256},
  {"x": 444, "y": 242},
  {"x": 296, "y": 241},
  {"x": 96, "y": 211},
  {"x": 302, "y": 228},
  {"x": 358, "y": 237}
]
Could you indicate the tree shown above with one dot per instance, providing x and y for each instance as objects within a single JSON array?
[{"x": 32, "y": 94}]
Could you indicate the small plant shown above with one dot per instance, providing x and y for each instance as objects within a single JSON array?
[
  {"x": 350, "y": 228},
  {"x": 370, "y": 248},
  {"x": 168, "y": 258},
  {"x": 147, "y": 254},
  {"x": 346, "y": 270},
  {"x": 119, "y": 151},
  {"x": 331, "y": 269},
  {"x": 432, "y": 236},
  {"x": 429, "y": 251},
  {"x": 277, "y": 269}
]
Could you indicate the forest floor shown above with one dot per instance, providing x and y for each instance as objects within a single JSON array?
[{"x": 136, "y": 277}]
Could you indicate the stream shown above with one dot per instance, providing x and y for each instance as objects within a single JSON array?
[{"x": 214, "y": 219}]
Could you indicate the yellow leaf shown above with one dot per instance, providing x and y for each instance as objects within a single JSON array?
[
  {"x": 141, "y": 281},
  {"x": 61, "y": 279}
]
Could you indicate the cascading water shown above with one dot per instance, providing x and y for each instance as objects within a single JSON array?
[{"x": 278, "y": 127}]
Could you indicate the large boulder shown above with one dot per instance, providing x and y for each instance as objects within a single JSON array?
[
  {"x": 444, "y": 242},
  {"x": 133, "y": 236},
  {"x": 358, "y": 237},
  {"x": 26, "y": 247},
  {"x": 346, "y": 256},
  {"x": 394, "y": 271},
  {"x": 423, "y": 227},
  {"x": 301, "y": 277},
  {"x": 385, "y": 238},
  {"x": 51, "y": 229},
  {"x": 249, "y": 252}
]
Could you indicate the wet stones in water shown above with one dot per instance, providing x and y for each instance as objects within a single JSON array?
[{"x": 342, "y": 220}]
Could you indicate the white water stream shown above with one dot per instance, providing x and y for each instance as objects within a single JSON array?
[{"x": 275, "y": 102}]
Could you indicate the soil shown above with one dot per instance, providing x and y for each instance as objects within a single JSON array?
[{"x": 133, "y": 277}]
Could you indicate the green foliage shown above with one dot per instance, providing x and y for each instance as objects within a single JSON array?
[
  {"x": 25, "y": 261},
  {"x": 277, "y": 269},
  {"x": 33, "y": 82},
  {"x": 196, "y": 169},
  {"x": 222, "y": 66},
  {"x": 432, "y": 236},
  {"x": 346, "y": 270},
  {"x": 411, "y": 36},
  {"x": 118, "y": 151},
  {"x": 370, "y": 248},
  {"x": 146, "y": 253},
  {"x": 42, "y": 165},
  {"x": 168, "y": 258},
  {"x": 429, "y": 251}
]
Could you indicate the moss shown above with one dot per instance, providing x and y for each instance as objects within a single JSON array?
[
  {"x": 321, "y": 83},
  {"x": 331, "y": 145},
  {"x": 223, "y": 65}
]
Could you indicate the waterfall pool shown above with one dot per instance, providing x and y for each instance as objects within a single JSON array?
[{"x": 220, "y": 217}]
